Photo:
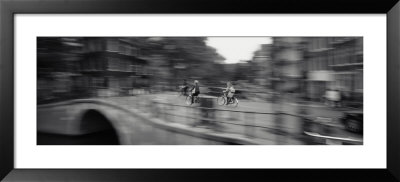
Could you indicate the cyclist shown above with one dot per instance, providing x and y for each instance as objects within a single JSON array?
[
  {"x": 195, "y": 90},
  {"x": 229, "y": 91}
]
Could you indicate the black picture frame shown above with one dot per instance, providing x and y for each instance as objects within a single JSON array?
[{"x": 9, "y": 8}]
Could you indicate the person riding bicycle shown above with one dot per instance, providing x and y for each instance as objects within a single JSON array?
[
  {"x": 195, "y": 90},
  {"x": 230, "y": 91}
]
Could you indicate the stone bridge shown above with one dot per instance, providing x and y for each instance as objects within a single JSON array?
[
  {"x": 146, "y": 121},
  {"x": 123, "y": 124}
]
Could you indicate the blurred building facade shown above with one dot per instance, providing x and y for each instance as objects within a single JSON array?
[
  {"x": 262, "y": 65},
  {"x": 313, "y": 65},
  {"x": 334, "y": 63},
  {"x": 83, "y": 67},
  {"x": 287, "y": 57},
  {"x": 111, "y": 66},
  {"x": 58, "y": 66},
  {"x": 71, "y": 67}
]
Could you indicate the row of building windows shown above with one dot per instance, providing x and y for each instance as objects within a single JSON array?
[
  {"x": 112, "y": 45},
  {"x": 325, "y": 60},
  {"x": 112, "y": 64},
  {"x": 117, "y": 64},
  {"x": 315, "y": 43},
  {"x": 112, "y": 82},
  {"x": 318, "y": 42},
  {"x": 93, "y": 64},
  {"x": 350, "y": 81}
]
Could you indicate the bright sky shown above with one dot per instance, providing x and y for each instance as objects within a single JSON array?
[{"x": 235, "y": 49}]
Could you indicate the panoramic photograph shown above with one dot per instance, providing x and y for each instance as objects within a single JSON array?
[{"x": 200, "y": 90}]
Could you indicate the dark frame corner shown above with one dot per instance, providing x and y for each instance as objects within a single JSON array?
[{"x": 8, "y": 8}]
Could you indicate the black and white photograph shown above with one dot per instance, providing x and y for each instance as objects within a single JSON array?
[
  {"x": 217, "y": 90},
  {"x": 115, "y": 90}
]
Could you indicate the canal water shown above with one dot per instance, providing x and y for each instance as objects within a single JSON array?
[{"x": 107, "y": 137}]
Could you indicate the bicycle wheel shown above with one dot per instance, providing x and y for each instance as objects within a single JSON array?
[
  {"x": 221, "y": 100},
  {"x": 182, "y": 93},
  {"x": 188, "y": 100},
  {"x": 235, "y": 102}
]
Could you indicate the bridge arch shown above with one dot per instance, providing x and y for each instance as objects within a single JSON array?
[{"x": 97, "y": 128}]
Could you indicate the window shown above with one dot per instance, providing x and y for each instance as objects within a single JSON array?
[
  {"x": 340, "y": 56},
  {"x": 111, "y": 63},
  {"x": 359, "y": 81},
  {"x": 315, "y": 63},
  {"x": 94, "y": 45},
  {"x": 99, "y": 64},
  {"x": 324, "y": 61},
  {"x": 353, "y": 54},
  {"x": 134, "y": 51},
  {"x": 322, "y": 43},
  {"x": 122, "y": 49},
  {"x": 112, "y": 45},
  {"x": 98, "y": 82},
  {"x": 318, "y": 63},
  {"x": 310, "y": 44},
  {"x": 329, "y": 59}
]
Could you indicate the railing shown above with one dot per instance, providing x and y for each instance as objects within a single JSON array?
[
  {"x": 324, "y": 139},
  {"x": 257, "y": 125},
  {"x": 205, "y": 114},
  {"x": 272, "y": 126}
]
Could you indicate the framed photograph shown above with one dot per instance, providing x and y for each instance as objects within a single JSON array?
[{"x": 128, "y": 90}]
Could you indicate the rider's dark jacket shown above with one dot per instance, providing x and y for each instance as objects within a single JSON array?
[{"x": 196, "y": 88}]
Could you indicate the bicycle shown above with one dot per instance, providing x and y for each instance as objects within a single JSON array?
[
  {"x": 183, "y": 90},
  {"x": 223, "y": 100},
  {"x": 188, "y": 100}
]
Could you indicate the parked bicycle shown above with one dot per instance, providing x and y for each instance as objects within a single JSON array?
[{"x": 224, "y": 100}]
